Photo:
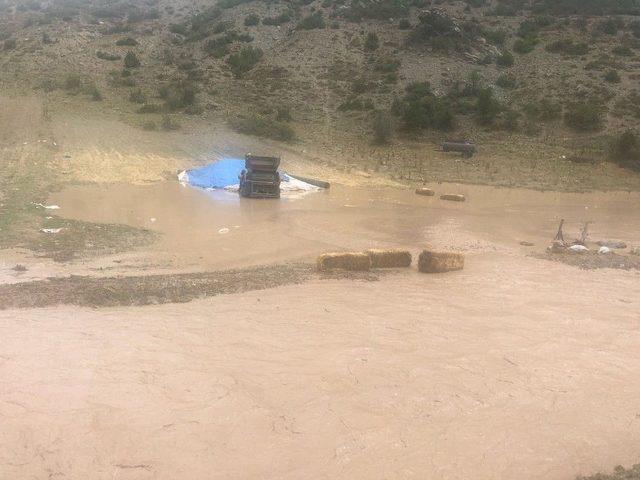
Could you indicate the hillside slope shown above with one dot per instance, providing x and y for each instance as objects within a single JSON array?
[{"x": 519, "y": 77}]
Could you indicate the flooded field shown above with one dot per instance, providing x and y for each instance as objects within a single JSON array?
[{"x": 217, "y": 229}]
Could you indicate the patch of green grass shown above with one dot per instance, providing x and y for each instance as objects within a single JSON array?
[{"x": 266, "y": 127}]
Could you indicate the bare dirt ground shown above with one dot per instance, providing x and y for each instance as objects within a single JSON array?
[{"x": 515, "y": 367}]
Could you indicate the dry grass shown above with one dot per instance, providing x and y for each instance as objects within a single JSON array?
[
  {"x": 389, "y": 258},
  {"x": 440, "y": 262},
  {"x": 426, "y": 192},
  {"x": 350, "y": 261}
]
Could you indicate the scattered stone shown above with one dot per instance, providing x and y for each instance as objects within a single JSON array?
[
  {"x": 440, "y": 262},
  {"x": 427, "y": 192},
  {"x": 453, "y": 198},
  {"x": 604, "y": 250},
  {"x": 524, "y": 243}
]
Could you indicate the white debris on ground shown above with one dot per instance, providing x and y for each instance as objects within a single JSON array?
[
  {"x": 604, "y": 250},
  {"x": 578, "y": 249},
  {"x": 51, "y": 230}
]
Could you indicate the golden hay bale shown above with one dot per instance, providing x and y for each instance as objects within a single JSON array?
[
  {"x": 453, "y": 198},
  {"x": 389, "y": 258},
  {"x": 427, "y": 192},
  {"x": 440, "y": 262},
  {"x": 352, "y": 261}
]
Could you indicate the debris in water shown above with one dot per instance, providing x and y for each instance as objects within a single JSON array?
[
  {"x": 604, "y": 250},
  {"x": 51, "y": 230},
  {"x": 19, "y": 268},
  {"x": 524, "y": 243},
  {"x": 222, "y": 231}
]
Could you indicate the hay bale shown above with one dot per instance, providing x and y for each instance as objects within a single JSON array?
[
  {"x": 427, "y": 192},
  {"x": 440, "y": 262},
  {"x": 351, "y": 261},
  {"x": 453, "y": 197},
  {"x": 389, "y": 258}
]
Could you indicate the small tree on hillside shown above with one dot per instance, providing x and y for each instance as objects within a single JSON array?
[{"x": 131, "y": 60}]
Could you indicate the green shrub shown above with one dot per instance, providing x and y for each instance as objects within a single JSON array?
[
  {"x": 312, "y": 21},
  {"x": 358, "y": 10},
  {"x": 421, "y": 109},
  {"x": 260, "y": 126},
  {"x": 127, "y": 42},
  {"x": 487, "y": 107},
  {"x": 612, "y": 76},
  {"x": 510, "y": 121},
  {"x": 622, "y": 50},
  {"x": 371, "y": 42},
  {"x": 131, "y": 60},
  {"x": 495, "y": 37},
  {"x": 525, "y": 45},
  {"x": 284, "y": 17},
  {"x": 404, "y": 24},
  {"x": 584, "y": 116},
  {"x": 178, "y": 95},
  {"x": 634, "y": 26},
  {"x": 507, "y": 80},
  {"x": 544, "y": 110},
  {"x": 568, "y": 46},
  {"x": 72, "y": 82},
  {"x": 609, "y": 26},
  {"x": 179, "y": 28},
  {"x": 108, "y": 56},
  {"x": 505, "y": 60},
  {"x": 440, "y": 31},
  {"x": 243, "y": 61},
  {"x": 382, "y": 127},
  {"x": 283, "y": 113},
  {"x": 625, "y": 151},
  {"x": 251, "y": 20}
]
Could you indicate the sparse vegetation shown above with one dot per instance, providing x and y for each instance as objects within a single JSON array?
[
  {"x": 584, "y": 116},
  {"x": 312, "y": 21},
  {"x": 625, "y": 152},
  {"x": 261, "y": 126},
  {"x": 568, "y": 46},
  {"x": 371, "y": 42}
]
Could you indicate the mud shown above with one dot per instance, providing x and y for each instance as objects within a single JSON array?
[{"x": 508, "y": 369}]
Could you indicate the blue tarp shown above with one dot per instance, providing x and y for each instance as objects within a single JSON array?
[{"x": 220, "y": 174}]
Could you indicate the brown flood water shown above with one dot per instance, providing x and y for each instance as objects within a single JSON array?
[
  {"x": 217, "y": 229},
  {"x": 512, "y": 368}
]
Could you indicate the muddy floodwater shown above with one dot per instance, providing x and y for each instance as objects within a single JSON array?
[
  {"x": 515, "y": 367},
  {"x": 217, "y": 229}
]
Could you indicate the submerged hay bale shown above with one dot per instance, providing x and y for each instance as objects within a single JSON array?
[
  {"x": 352, "y": 261},
  {"x": 426, "y": 192},
  {"x": 453, "y": 197},
  {"x": 440, "y": 262},
  {"x": 389, "y": 258}
]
